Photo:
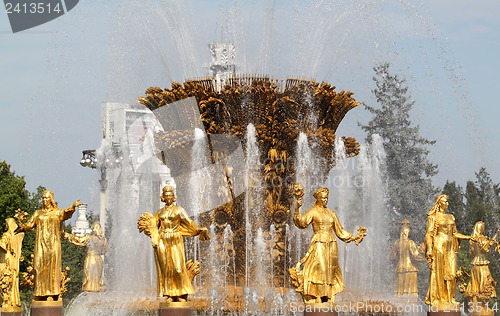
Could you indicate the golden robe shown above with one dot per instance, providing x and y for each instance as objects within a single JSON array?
[
  {"x": 442, "y": 242},
  {"x": 11, "y": 243},
  {"x": 93, "y": 266},
  {"x": 322, "y": 274},
  {"x": 406, "y": 252},
  {"x": 481, "y": 284},
  {"x": 173, "y": 278},
  {"x": 47, "y": 260}
]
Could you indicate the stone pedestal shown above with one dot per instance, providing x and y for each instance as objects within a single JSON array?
[
  {"x": 47, "y": 308},
  {"x": 482, "y": 312},
  {"x": 443, "y": 313},
  {"x": 444, "y": 309},
  {"x": 323, "y": 309},
  {"x": 12, "y": 311},
  {"x": 175, "y": 309}
]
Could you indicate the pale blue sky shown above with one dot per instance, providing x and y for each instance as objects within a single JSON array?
[{"x": 54, "y": 77}]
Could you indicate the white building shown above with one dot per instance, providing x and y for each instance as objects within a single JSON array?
[{"x": 127, "y": 130}]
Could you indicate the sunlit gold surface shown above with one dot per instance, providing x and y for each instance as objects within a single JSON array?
[
  {"x": 10, "y": 245},
  {"x": 97, "y": 246},
  {"x": 57, "y": 303},
  {"x": 47, "y": 261},
  {"x": 321, "y": 279},
  {"x": 481, "y": 287},
  {"x": 280, "y": 110},
  {"x": 406, "y": 252},
  {"x": 165, "y": 304},
  {"x": 441, "y": 246},
  {"x": 166, "y": 229}
]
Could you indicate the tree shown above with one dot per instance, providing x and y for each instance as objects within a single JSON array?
[
  {"x": 13, "y": 193},
  {"x": 456, "y": 204},
  {"x": 408, "y": 170}
]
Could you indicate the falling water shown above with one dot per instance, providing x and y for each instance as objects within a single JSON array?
[
  {"x": 272, "y": 245},
  {"x": 133, "y": 193},
  {"x": 199, "y": 183},
  {"x": 367, "y": 209},
  {"x": 308, "y": 174},
  {"x": 366, "y": 278},
  {"x": 309, "y": 168},
  {"x": 253, "y": 197},
  {"x": 229, "y": 257},
  {"x": 341, "y": 193},
  {"x": 200, "y": 177},
  {"x": 262, "y": 264},
  {"x": 214, "y": 262},
  {"x": 375, "y": 211}
]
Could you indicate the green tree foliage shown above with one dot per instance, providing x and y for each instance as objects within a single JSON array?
[
  {"x": 410, "y": 190},
  {"x": 456, "y": 203},
  {"x": 13, "y": 193}
]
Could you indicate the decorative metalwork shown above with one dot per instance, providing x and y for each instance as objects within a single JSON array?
[{"x": 280, "y": 110}]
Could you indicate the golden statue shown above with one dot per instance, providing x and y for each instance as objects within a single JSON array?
[
  {"x": 47, "y": 261},
  {"x": 441, "y": 246},
  {"x": 407, "y": 253},
  {"x": 97, "y": 246},
  {"x": 321, "y": 277},
  {"x": 10, "y": 246},
  {"x": 166, "y": 229},
  {"x": 481, "y": 287}
]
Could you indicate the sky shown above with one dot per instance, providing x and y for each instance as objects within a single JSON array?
[{"x": 54, "y": 77}]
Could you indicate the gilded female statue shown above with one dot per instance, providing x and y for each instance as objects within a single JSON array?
[
  {"x": 321, "y": 278},
  {"x": 10, "y": 244},
  {"x": 47, "y": 260},
  {"x": 481, "y": 286},
  {"x": 167, "y": 228},
  {"x": 406, "y": 251},
  {"x": 441, "y": 246},
  {"x": 97, "y": 246}
]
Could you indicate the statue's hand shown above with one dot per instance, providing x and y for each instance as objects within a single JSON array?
[
  {"x": 361, "y": 235},
  {"x": 204, "y": 234},
  {"x": 19, "y": 229},
  {"x": 77, "y": 203},
  {"x": 428, "y": 256},
  {"x": 421, "y": 248}
]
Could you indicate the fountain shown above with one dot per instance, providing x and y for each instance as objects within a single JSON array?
[
  {"x": 234, "y": 153},
  {"x": 235, "y": 145}
]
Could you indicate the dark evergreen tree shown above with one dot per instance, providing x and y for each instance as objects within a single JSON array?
[
  {"x": 456, "y": 204},
  {"x": 409, "y": 172}
]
